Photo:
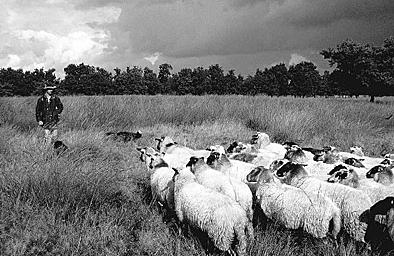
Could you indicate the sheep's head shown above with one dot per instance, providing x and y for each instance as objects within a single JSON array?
[
  {"x": 261, "y": 139},
  {"x": 336, "y": 169},
  {"x": 383, "y": 206},
  {"x": 149, "y": 156},
  {"x": 261, "y": 175},
  {"x": 288, "y": 144},
  {"x": 217, "y": 148},
  {"x": 275, "y": 165},
  {"x": 374, "y": 170},
  {"x": 164, "y": 142},
  {"x": 354, "y": 162},
  {"x": 290, "y": 170},
  {"x": 194, "y": 162},
  {"x": 387, "y": 162},
  {"x": 382, "y": 174},
  {"x": 319, "y": 156},
  {"x": 341, "y": 176},
  {"x": 357, "y": 150},
  {"x": 232, "y": 146},
  {"x": 213, "y": 157}
]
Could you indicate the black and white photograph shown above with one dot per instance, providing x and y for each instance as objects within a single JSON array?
[{"x": 197, "y": 127}]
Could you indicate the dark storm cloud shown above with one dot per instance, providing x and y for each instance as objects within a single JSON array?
[
  {"x": 202, "y": 28},
  {"x": 232, "y": 32}
]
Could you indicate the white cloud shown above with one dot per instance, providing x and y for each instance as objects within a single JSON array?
[
  {"x": 296, "y": 58},
  {"x": 13, "y": 60},
  {"x": 153, "y": 58},
  {"x": 65, "y": 36}
]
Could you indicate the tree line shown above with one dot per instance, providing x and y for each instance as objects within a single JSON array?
[{"x": 358, "y": 69}]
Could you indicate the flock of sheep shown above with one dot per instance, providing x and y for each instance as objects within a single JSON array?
[{"x": 321, "y": 191}]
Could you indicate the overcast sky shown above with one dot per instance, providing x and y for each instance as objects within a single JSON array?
[{"x": 237, "y": 34}]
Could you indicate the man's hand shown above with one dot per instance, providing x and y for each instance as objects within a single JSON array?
[{"x": 40, "y": 123}]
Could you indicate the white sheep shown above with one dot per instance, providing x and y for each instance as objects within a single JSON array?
[
  {"x": 175, "y": 155},
  {"x": 295, "y": 154},
  {"x": 214, "y": 213},
  {"x": 352, "y": 202},
  {"x": 213, "y": 179},
  {"x": 293, "y": 208},
  {"x": 230, "y": 167},
  {"x": 161, "y": 183},
  {"x": 349, "y": 177}
]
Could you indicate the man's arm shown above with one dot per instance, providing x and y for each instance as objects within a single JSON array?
[
  {"x": 59, "y": 105},
  {"x": 39, "y": 110}
]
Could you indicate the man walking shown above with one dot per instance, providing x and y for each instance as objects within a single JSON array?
[{"x": 48, "y": 109}]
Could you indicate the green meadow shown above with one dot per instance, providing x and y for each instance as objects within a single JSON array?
[{"x": 95, "y": 199}]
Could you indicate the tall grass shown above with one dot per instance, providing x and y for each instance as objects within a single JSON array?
[{"x": 95, "y": 199}]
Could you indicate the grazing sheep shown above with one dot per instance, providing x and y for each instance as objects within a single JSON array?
[
  {"x": 382, "y": 174},
  {"x": 385, "y": 207},
  {"x": 293, "y": 208},
  {"x": 295, "y": 154},
  {"x": 352, "y": 202},
  {"x": 217, "y": 148},
  {"x": 239, "y": 147},
  {"x": 161, "y": 183},
  {"x": 233, "y": 168},
  {"x": 177, "y": 156},
  {"x": 331, "y": 155},
  {"x": 124, "y": 136},
  {"x": 213, "y": 179},
  {"x": 357, "y": 150},
  {"x": 349, "y": 177},
  {"x": 261, "y": 152},
  {"x": 224, "y": 221}
]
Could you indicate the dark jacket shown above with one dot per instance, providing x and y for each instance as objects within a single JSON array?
[{"x": 48, "y": 112}]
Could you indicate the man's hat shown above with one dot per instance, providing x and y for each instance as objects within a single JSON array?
[{"x": 48, "y": 86}]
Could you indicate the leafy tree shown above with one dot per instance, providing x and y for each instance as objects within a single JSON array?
[
  {"x": 305, "y": 79},
  {"x": 215, "y": 81},
  {"x": 150, "y": 81},
  {"x": 363, "y": 68},
  {"x": 184, "y": 82},
  {"x": 199, "y": 81}
]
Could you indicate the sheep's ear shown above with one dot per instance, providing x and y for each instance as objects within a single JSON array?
[
  {"x": 159, "y": 139},
  {"x": 201, "y": 158},
  {"x": 175, "y": 170}
]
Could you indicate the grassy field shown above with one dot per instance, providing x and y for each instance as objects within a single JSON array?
[{"x": 95, "y": 200}]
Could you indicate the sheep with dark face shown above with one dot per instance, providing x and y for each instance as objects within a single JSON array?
[
  {"x": 296, "y": 154},
  {"x": 293, "y": 208},
  {"x": 224, "y": 221},
  {"x": 385, "y": 207},
  {"x": 161, "y": 174},
  {"x": 349, "y": 177},
  {"x": 235, "y": 169},
  {"x": 177, "y": 156},
  {"x": 354, "y": 162},
  {"x": 352, "y": 202},
  {"x": 225, "y": 184},
  {"x": 382, "y": 174}
]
